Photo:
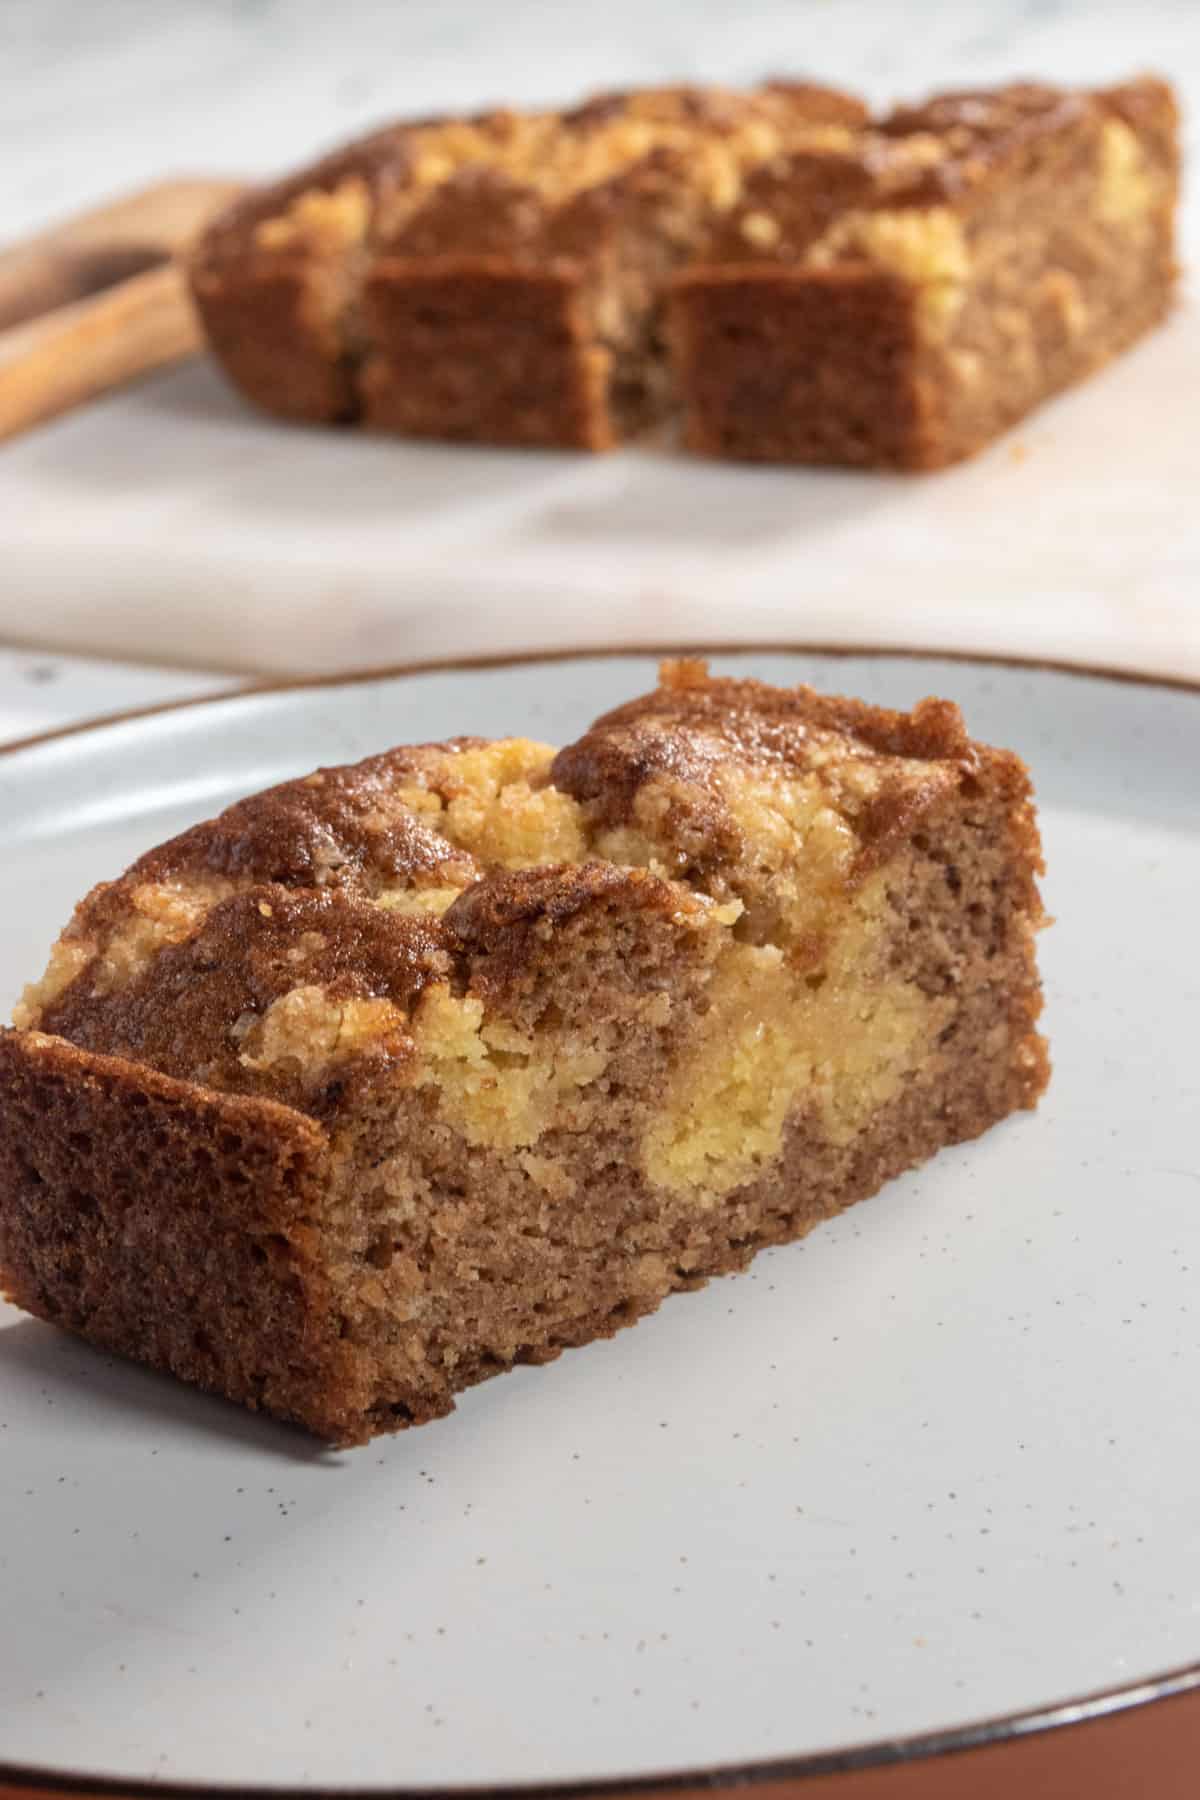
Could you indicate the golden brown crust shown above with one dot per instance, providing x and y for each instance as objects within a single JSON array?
[
  {"x": 947, "y": 152},
  {"x": 501, "y": 928},
  {"x": 979, "y": 128},
  {"x": 294, "y": 887},
  {"x": 1148, "y": 105},
  {"x": 761, "y": 723},
  {"x": 693, "y": 729},
  {"x": 186, "y": 1013},
  {"x": 348, "y": 827}
]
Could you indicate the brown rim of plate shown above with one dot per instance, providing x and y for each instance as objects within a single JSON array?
[
  {"x": 241, "y": 687},
  {"x": 1124, "y": 1743}
]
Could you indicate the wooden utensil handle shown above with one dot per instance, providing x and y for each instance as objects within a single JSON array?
[
  {"x": 80, "y": 351},
  {"x": 96, "y": 249}
]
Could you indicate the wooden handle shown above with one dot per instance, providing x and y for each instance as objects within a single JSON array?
[
  {"x": 80, "y": 351},
  {"x": 110, "y": 243},
  {"x": 61, "y": 341}
]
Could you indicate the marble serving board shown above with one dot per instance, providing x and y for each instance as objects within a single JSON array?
[{"x": 170, "y": 524}]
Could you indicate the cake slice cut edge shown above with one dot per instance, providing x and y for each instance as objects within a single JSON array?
[{"x": 403, "y": 1073}]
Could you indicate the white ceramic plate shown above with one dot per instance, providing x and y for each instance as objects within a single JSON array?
[{"x": 934, "y": 1465}]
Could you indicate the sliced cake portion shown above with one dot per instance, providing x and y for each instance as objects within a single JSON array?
[
  {"x": 401, "y": 1073},
  {"x": 899, "y": 300}
]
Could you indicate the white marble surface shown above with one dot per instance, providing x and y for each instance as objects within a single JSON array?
[
  {"x": 170, "y": 524},
  {"x": 114, "y": 93}
]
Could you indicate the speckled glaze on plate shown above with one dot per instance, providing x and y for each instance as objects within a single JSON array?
[{"x": 933, "y": 1467}]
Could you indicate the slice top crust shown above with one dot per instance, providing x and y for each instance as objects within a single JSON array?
[
  {"x": 537, "y": 182},
  {"x": 767, "y": 171},
  {"x": 407, "y": 919},
  {"x": 936, "y": 164}
]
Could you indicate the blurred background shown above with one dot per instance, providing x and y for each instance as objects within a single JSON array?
[{"x": 163, "y": 539}]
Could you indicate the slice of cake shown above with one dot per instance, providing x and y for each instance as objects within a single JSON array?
[
  {"x": 898, "y": 301},
  {"x": 401, "y": 1073}
]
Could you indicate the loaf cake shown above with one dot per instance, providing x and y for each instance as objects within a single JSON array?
[
  {"x": 798, "y": 281},
  {"x": 402, "y": 1073}
]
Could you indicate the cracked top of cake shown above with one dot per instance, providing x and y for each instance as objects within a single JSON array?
[
  {"x": 786, "y": 171},
  {"x": 348, "y": 924},
  {"x": 898, "y": 196},
  {"x": 539, "y": 182}
]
